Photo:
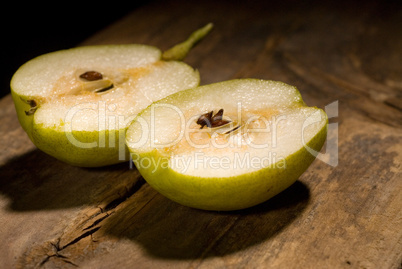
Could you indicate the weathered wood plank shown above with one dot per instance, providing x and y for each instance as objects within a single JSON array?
[{"x": 348, "y": 216}]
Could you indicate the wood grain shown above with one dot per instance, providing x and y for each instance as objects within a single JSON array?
[{"x": 53, "y": 215}]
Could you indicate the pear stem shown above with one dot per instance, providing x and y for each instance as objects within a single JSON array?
[{"x": 180, "y": 51}]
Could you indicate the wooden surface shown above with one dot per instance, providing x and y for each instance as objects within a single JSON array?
[{"x": 53, "y": 215}]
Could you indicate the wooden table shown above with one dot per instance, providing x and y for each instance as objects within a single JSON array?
[{"x": 343, "y": 212}]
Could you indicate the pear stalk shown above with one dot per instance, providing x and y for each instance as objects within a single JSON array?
[{"x": 180, "y": 51}]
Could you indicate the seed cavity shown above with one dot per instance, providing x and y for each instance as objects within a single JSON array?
[
  {"x": 105, "y": 89},
  {"x": 93, "y": 81},
  {"x": 232, "y": 130},
  {"x": 91, "y": 76},
  {"x": 33, "y": 105}
]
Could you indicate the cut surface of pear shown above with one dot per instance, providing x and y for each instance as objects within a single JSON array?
[
  {"x": 228, "y": 145},
  {"x": 76, "y": 104}
]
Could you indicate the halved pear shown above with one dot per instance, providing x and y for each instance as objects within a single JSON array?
[
  {"x": 228, "y": 145},
  {"x": 76, "y": 104}
]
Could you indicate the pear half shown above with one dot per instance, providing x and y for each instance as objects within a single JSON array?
[
  {"x": 75, "y": 104},
  {"x": 228, "y": 145}
]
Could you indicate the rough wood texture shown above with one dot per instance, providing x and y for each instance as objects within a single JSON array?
[{"x": 53, "y": 215}]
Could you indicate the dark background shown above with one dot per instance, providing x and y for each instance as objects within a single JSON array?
[{"x": 29, "y": 30}]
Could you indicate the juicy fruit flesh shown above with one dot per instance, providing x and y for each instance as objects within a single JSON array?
[
  {"x": 132, "y": 77},
  {"x": 37, "y": 77},
  {"x": 269, "y": 122},
  {"x": 133, "y": 90},
  {"x": 251, "y": 148}
]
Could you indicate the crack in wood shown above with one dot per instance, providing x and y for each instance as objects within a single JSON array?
[
  {"x": 87, "y": 223},
  {"x": 394, "y": 103},
  {"x": 91, "y": 229},
  {"x": 128, "y": 193},
  {"x": 96, "y": 222},
  {"x": 90, "y": 232},
  {"x": 62, "y": 258},
  {"x": 56, "y": 255}
]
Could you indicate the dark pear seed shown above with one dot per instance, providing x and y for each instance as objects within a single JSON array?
[
  {"x": 218, "y": 115},
  {"x": 32, "y": 103},
  {"x": 91, "y": 76},
  {"x": 212, "y": 121},
  {"x": 205, "y": 119},
  {"x": 218, "y": 123}
]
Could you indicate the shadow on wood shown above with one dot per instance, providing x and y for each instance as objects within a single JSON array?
[
  {"x": 37, "y": 181},
  {"x": 171, "y": 231},
  {"x": 120, "y": 205}
]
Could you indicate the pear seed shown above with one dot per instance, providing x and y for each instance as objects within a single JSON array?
[
  {"x": 91, "y": 76},
  {"x": 205, "y": 119},
  {"x": 218, "y": 115},
  {"x": 212, "y": 121}
]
